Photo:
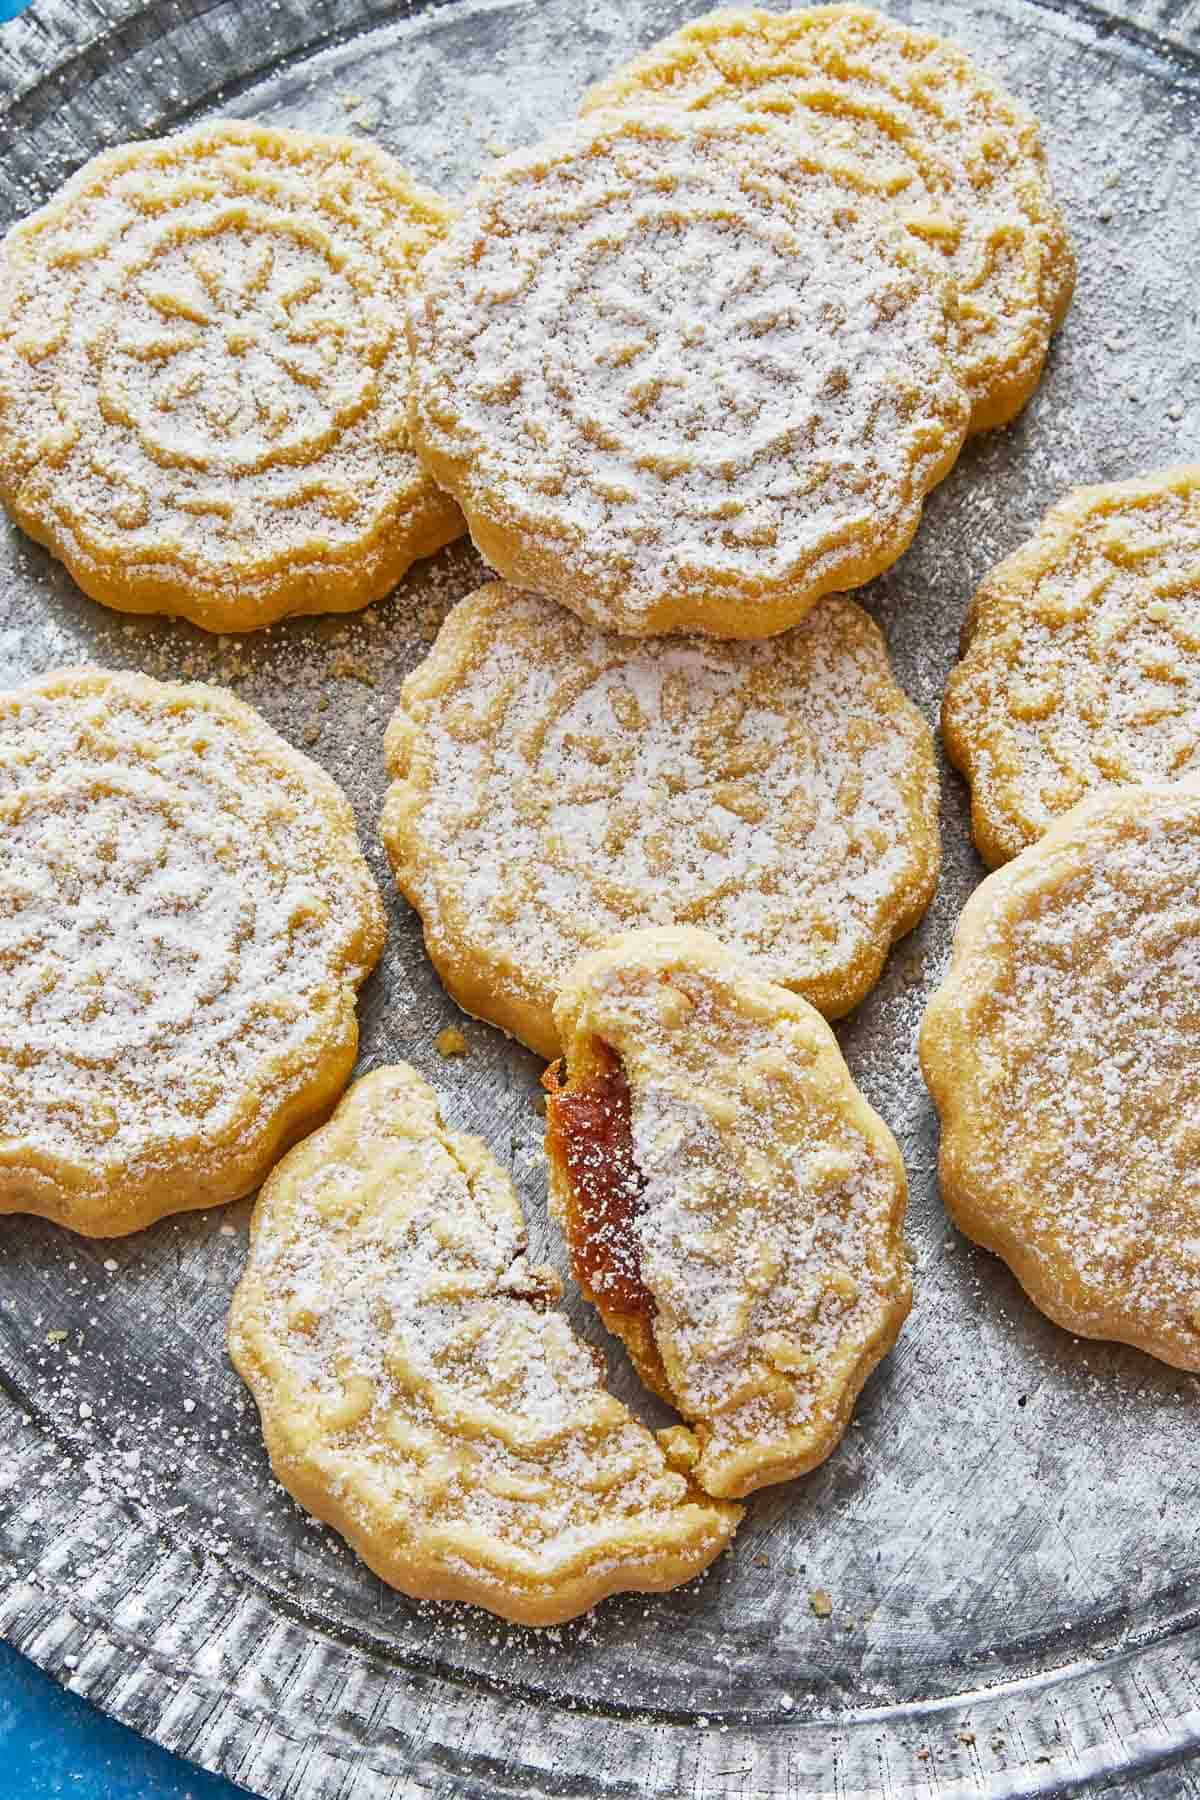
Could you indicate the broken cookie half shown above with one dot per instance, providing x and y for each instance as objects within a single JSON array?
[
  {"x": 733, "y": 1206},
  {"x": 420, "y": 1393}
]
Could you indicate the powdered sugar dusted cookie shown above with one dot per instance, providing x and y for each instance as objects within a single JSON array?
[
  {"x": 185, "y": 918},
  {"x": 733, "y": 1206},
  {"x": 204, "y": 378},
  {"x": 555, "y": 785},
  {"x": 1081, "y": 659},
  {"x": 1062, "y": 1051},
  {"x": 683, "y": 374},
  {"x": 419, "y": 1392},
  {"x": 962, "y": 162}
]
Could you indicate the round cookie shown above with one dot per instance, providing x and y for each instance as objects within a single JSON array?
[
  {"x": 204, "y": 377},
  {"x": 963, "y": 162},
  {"x": 733, "y": 1206},
  {"x": 1081, "y": 659},
  {"x": 185, "y": 917},
  {"x": 419, "y": 1392},
  {"x": 1062, "y": 1051},
  {"x": 683, "y": 374},
  {"x": 554, "y": 785}
]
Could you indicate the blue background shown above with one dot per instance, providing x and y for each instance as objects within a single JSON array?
[{"x": 53, "y": 1743}]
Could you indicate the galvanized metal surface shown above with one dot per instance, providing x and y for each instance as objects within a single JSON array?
[{"x": 1008, "y": 1532}]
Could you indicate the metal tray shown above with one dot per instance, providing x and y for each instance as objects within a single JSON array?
[{"x": 1008, "y": 1533}]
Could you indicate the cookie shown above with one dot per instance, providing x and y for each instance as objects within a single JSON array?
[
  {"x": 962, "y": 162},
  {"x": 733, "y": 1206},
  {"x": 419, "y": 1392},
  {"x": 554, "y": 785},
  {"x": 203, "y": 376},
  {"x": 682, "y": 375},
  {"x": 1081, "y": 659},
  {"x": 185, "y": 917},
  {"x": 1062, "y": 1051}
]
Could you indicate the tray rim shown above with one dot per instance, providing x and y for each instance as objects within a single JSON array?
[{"x": 166, "y": 1695}]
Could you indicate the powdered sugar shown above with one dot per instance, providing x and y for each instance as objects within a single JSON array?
[
  {"x": 415, "y": 1389},
  {"x": 962, "y": 163},
  {"x": 1083, "y": 665},
  {"x": 185, "y": 919},
  {"x": 665, "y": 360},
  {"x": 768, "y": 1222},
  {"x": 558, "y": 785},
  {"x": 1062, "y": 1052},
  {"x": 203, "y": 375}
]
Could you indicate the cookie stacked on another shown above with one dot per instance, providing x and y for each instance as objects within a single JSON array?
[
  {"x": 962, "y": 162},
  {"x": 1060, "y": 1048},
  {"x": 696, "y": 361},
  {"x": 733, "y": 1206},
  {"x": 684, "y": 373}
]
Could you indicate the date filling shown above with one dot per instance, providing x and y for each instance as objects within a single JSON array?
[{"x": 590, "y": 1135}]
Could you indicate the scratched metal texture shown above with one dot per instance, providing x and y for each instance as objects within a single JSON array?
[{"x": 1008, "y": 1533}]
